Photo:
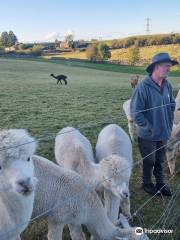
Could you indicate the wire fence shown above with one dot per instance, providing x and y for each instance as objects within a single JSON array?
[{"x": 86, "y": 126}]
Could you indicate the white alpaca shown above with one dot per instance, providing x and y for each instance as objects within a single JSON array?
[
  {"x": 113, "y": 142},
  {"x": 173, "y": 147},
  {"x": 17, "y": 182},
  {"x": 74, "y": 152},
  {"x": 177, "y": 110},
  {"x": 131, "y": 123},
  {"x": 67, "y": 199}
]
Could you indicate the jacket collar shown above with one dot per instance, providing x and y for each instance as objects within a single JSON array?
[{"x": 149, "y": 81}]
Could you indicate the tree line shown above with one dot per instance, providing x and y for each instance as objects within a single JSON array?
[
  {"x": 145, "y": 40},
  {"x": 98, "y": 52}
]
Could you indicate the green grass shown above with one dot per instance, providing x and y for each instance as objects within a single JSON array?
[
  {"x": 110, "y": 67},
  {"x": 103, "y": 67},
  {"x": 31, "y": 99}
]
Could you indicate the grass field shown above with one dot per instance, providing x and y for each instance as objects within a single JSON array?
[{"x": 31, "y": 99}]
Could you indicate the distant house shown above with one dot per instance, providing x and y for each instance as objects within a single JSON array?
[
  {"x": 81, "y": 45},
  {"x": 12, "y": 48},
  {"x": 65, "y": 45}
]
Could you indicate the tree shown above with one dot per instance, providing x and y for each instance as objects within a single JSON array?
[
  {"x": 37, "y": 49},
  {"x": 56, "y": 43},
  {"x": 104, "y": 51},
  {"x": 97, "y": 52},
  {"x": 69, "y": 38},
  {"x": 12, "y": 39},
  {"x": 4, "y": 39},
  {"x": 1, "y": 49},
  {"x": 92, "y": 52},
  {"x": 134, "y": 55}
]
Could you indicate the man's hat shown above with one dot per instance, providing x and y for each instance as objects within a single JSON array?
[{"x": 160, "y": 58}]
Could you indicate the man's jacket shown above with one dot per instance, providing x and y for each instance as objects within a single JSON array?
[{"x": 152, "y": 109}]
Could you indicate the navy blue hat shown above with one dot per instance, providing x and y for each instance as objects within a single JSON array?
[{"x": 159, "y": 58}]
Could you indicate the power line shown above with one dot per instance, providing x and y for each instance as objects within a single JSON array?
[{"x": 147, "y": 25}]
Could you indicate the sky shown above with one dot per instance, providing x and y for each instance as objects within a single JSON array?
[{"x": 47, "y": 20}]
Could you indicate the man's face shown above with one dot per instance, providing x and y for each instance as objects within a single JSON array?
[{"x": 162, "y": 69}]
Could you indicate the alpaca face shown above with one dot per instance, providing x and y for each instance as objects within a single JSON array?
[
  {"x": 120, "y": 190},
  {"x": 16, "y": 166},
  {"x": 21, "y": 176},
  {"x": 116, "y": 174}
]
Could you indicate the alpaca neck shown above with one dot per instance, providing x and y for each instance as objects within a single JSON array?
[
  {"x": 93, "y": 175},
  {"x": 54, "y": 76}
]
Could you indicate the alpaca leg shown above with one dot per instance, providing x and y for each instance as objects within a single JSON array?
[
  {"x": 171, "y": 165},
  {"x": 55, "y": 231},
  {"x": 131, "y": 130},
  {"x": 76, "y": 232},
  {"x": 171, "y": 158},
  {"x": 111, "y": 205},
  {"x": 123, "y": 220},
  {"x": 125, "y": 207},
  {"x": 57, "y": 81}
]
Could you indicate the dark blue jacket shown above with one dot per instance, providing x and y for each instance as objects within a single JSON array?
[{"x": 152, "y": 109}]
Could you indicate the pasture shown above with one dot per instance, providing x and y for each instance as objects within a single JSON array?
[{"x": 31, "y": 99}]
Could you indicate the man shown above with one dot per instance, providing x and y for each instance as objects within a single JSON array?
[{"x": 152, "y": 108}]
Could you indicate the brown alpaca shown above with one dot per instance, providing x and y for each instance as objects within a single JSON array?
[{"x": 134, "y": 81}]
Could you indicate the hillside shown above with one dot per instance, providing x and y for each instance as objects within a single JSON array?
[
  {"x": 121, "y": 55},
  {"x": 146, "y": 53}
]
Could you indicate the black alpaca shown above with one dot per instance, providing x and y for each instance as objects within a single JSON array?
[{"x": 59, "y": 78}]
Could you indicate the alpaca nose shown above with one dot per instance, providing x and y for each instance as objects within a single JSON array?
[
  {"x": 125, "y": 194},
  {"x": 26, "y": 185}
]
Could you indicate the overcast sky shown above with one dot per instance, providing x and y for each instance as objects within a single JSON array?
[{"x": 43, "y": 20}]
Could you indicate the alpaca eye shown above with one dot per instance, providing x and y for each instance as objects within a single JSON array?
[
  {"x": 28, "y": 159},
  {"x": 0, "y": 167}
]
